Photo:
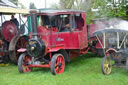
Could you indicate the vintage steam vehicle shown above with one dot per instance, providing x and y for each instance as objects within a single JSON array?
[
  {"x": 11, "y": 34},
  {"x": 57, "y": 36},
  {"x": 113, "y": 39}
]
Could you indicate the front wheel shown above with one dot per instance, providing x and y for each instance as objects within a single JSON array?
[
  {"x": 23, "y": 63},
  {"x": 106, "y": 65},
  {"x": 57, "y": 64}
]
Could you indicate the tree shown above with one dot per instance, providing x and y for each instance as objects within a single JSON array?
[
  {"x": 75, "y": 4},
  {"x": 106, "y": 8},
  {"x": 32, "y": 6},
  {"x": 66, "y": 4},
  {"x": 16, "y": 2},
  {"x": 22, "y": 6},
  {"x": 114, "y": 8},
  {"x": 84, "y": 5},
  {"x": 54, "y": 6}
]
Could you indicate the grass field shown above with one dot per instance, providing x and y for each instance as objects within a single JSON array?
[{"x": 83, "y": 70}]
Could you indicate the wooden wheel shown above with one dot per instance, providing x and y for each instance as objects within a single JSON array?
[
  {"x": 106, "y": 65},
  {"x": 57, "y": 64}
]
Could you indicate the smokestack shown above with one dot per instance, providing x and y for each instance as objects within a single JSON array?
[{"x": 34, "y": 23}]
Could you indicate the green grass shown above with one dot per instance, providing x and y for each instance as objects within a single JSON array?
[{"x": 83, "y": 70}]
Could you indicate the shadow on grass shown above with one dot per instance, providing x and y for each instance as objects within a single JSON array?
[
  {"x": 84, "y": 62},
  {"x": 75, "y": 62},
  {"x": 42, "y": 70},
  {"x": 121, "y": 70},
  {"x": 83, "y": 57}
]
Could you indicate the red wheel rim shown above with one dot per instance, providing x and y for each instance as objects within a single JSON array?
[
  {"x": 59, "y": 64},
  {"x": 25, "y": 64},
  {"x": 9, "y": 30}
]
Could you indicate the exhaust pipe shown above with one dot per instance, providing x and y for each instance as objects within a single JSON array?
[{"x": 34, "y": 23}]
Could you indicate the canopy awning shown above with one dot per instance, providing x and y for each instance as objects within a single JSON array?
[
  {"x": 109, "y": 30},
  {"x": 7, "y": 10}
]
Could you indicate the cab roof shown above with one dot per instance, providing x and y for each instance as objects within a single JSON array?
[{"x": 56, "y": 11}]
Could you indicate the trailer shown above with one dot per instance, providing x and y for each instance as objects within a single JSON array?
[{"x": 114, "y": 43}]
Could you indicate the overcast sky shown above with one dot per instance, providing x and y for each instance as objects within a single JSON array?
[{"x": 39, "y": 3}]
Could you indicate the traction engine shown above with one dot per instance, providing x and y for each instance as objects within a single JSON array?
[
  {"x": 8, "y": 31},
  {"x": 10, "y": 40}
]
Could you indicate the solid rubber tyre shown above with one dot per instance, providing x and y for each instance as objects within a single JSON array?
[
  {"x": 57, "y": 64},
  {"x": 23, "y": 67}
]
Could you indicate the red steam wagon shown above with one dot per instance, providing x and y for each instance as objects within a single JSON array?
[{"x": 57, "y": 36}]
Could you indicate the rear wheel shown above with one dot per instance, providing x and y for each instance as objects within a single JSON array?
[
  {"x": 23, "y": 63},
  {"x": 106, "y": 65},
  {"x": 57, "y": 64},
  {"x": 16, "y": 43}
]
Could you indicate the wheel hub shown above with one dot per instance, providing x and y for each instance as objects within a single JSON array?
[{"x": 60, "y": 64}]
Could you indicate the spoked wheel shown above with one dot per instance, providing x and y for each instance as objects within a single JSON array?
[
  {"x": 57, "y": 64},
  {"x": 106, "y": 65},
  {"x": 23, "y": 63}
]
